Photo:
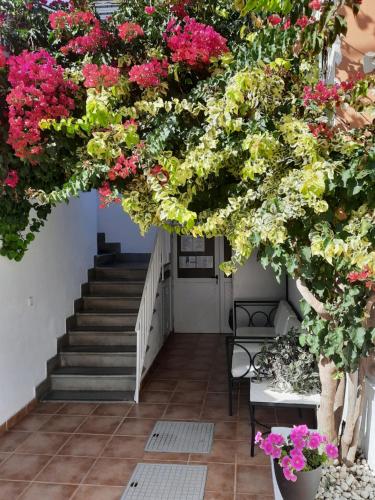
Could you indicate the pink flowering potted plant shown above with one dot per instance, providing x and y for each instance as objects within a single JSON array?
[{"x": 298, "y": 460}]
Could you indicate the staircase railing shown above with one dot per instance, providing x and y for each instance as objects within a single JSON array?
[{"x": 159, "y": 257}]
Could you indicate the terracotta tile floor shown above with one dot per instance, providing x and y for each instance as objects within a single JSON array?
[{"x": 76, "y": 451}]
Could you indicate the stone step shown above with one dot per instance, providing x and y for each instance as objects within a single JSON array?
[
  {"x": 94, "y": 396},
  {"x": 93, "y": 379},
  {"x": 113, "y": 288},
  {"x": 108, "y": 303},
  {"x": 101, "y": 338},
  {"x": 98, "y": 356},
  {"x": 106, "y": 319},
  {"x": 120, "y": 273}
]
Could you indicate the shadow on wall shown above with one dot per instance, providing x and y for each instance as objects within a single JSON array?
[{"x": 118, "y": 227}]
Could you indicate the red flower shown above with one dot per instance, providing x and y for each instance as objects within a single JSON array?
[
  {"x": 274, "y": 19},
  {"x": 91, "y": 43},
  {"x": 321, "y": 94},
  {"x": 103, "y": 76},
  {"x": 179, "y": 9},
  {"x": 362, "y": 276},
  {"x": 320, "y": 129},
  {"x": 130, "y": 123},
  {"x": 3, "y": 57},
  {"x": 160, "y": 173},
  {"x": 61, "y": 20},
  {"x": 129, "y": 31},
  {"x": 304, "y": 21},
  {"x": 315, "y": 4},
  {"x": 150, "y": 10},
  {"x": 124, "y": 167},
  {"x": 12, "y": 179},
  {"x": 286, "y": 25},
  {"x": 149, "y": 74},
  {"x": 196, "y": 44}
]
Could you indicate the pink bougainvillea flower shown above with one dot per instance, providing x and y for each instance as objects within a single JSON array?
[
  {"x": 149, "y": 74},
  {"x": 129, "y": 31},
  {"x": 315, "y": 4},
  {"x": 3, "y": 57},
  {"x": 39, "y": 91},
  {"x": 274, "y": 19},
  {"x": 160, "y": 173},
  {"x": 304, "y": 21},
  {"x": 62, "y": 20},
  {"x": 130, "y": 123},
  {"x": 179, "y": 8},
  {"x": 287, "y": 25},
  {"x": 124, "y": 167},
  {"x": 150, "y": 10},
  {"x": 100, "y": 76},
  {"x": 289, "y": 475},
  {"x": 196, "y": 44},
  {"x": 332, "y": 451},
  {"x": 12, "y": 179},
  {"x": 321, "y": 94},
  {"x": 94, "y": 41}
]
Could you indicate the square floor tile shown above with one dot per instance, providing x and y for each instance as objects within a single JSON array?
[
  {"x": 136, "y": 427},
  {"x": 10, "y": 490},
  {"x": 113, "y": 409},
  {"x": 69, "y": 470},
  {"x": 254, "y": 479},
  {"x": 111, "y": 472},
  {"x": 222, "y": 451},
  {"x": 23, "y": 467},
  {"x": 32, "y": 422},
  {"x": 146, "y": 410},
  {"x": 193, "y": 397},
  {"x": 220, "y": 478},
  {"x": 77, "y": 408},
  {"x": 155, "y": 396},
  {"x": 125, "y": 447},
  {"x": 99, "y": 425},
  {"x": 62, "y": 423},
  {"x": 48, "y": 407},
  {"x": 161, "y": 385},
  {"x": 182, "y": 412},
  {"x": 44, "y": 491},
  {"x": 85, "y": 445},
  {"x": 99, "y": 493},
  {"x": 11, "y": 440},
  {"x": 42, "y": 443}
]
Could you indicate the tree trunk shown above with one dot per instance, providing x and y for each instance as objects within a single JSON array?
[
  {"x": 355, "y": 401},
  {"x": 339, "y": 403},
  {"x": 326, "y": 413}
]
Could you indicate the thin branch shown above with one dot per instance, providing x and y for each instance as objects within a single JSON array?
[{"x": 312, "y": 300}]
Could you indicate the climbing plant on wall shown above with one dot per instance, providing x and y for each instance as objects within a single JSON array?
[{"x": 206, "y": 118}]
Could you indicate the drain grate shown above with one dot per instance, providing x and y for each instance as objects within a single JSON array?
[
  {"x": 181, "y": 437},
  {"x": 166, "y": 482}
]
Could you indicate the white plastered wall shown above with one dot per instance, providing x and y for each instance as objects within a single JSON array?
[
  {"x": 118, "y": 227},
  {"x": 37, "y": 295}
]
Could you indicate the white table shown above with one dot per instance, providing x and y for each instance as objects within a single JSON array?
[{"x": 261, "y": 394}]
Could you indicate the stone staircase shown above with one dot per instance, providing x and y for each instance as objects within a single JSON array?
[{"x": 97, "y": 358}]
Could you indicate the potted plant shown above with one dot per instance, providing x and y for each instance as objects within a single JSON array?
[
  {"x": 298, "y": 460},
  {"x": 289, "y": 366}
]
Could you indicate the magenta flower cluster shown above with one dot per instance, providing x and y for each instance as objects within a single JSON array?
[{"x": 290, "y": 453}]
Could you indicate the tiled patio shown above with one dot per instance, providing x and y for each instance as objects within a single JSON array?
[{"x": 88, "y": 451}]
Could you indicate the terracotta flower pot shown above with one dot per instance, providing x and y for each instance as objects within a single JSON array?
[{"x": 305, "y": 487}]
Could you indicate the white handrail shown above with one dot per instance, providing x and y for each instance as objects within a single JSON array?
[{"x": 155, "y": 271}]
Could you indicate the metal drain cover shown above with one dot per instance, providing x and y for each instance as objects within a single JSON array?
[
  {"x": 181, "y": 437},
  {"x": 166, "y": 482}
]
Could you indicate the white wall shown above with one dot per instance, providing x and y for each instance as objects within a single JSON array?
[
  {"x": 118, "y": 227},
  {"x": 254, "y": 282},
  {"x": 51, "y": 273}
]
